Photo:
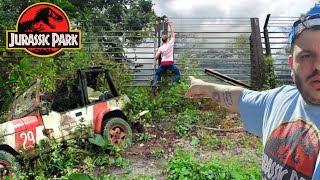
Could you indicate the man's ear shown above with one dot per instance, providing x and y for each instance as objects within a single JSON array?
[{"x": 290, "y": 62}]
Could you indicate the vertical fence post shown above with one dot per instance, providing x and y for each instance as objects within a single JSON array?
[
  {"x": 158, "y": 36},
  {"x": 161, "y": 29},
  {"x": 157, "y": 44},
  {"x": 256, "y": 55},
  {"x": 266, "y": 36}
]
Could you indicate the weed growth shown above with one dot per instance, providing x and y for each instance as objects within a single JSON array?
[
  {"x": 78, "y": 155},
  {"x": 185, "y": 166}
]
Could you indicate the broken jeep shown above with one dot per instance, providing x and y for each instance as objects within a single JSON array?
[{"x": 94, "y": 102}]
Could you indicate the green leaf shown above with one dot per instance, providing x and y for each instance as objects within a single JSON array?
[
  {"x": 25, "y": 64},
  {"x": 104, "y": 178},
  {"x": 97, "y": 140},
  {"x": 236, "y": 175},
  {"x": 194, "y": 141},
  {"x": 111, "y": 161},
  {"x": 119, "y": 160},
  {"x": 79, "y": 177}
]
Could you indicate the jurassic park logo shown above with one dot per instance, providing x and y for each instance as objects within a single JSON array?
[
  {"x": 43, "y": 30},
  {"x": 67, "y": 122}
]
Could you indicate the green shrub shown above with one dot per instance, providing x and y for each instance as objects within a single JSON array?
[
  {"x": 270, "y": 81},
  {"x": 184, "y": 121},
  {"x": 79, "y": 155},
  {"x": 185, "y": 166},
  {"x": 168, "y": 101}
]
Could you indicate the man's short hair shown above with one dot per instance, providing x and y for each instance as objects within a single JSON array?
[{"x": 164, "y": 38}]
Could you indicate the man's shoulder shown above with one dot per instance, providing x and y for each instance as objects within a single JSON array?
[
  {"x": 283, "y": 93},
  {"x": 282, "y": 89},
  {"x": 286, "y": 89},
  {"x": 276, "y": 93}
]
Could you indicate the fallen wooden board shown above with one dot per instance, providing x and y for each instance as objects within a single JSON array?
[{"x": 225, "y": 78}]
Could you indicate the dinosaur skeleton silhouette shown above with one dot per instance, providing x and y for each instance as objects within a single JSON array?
[
  {"x": 299, "y": 136},
  {"x": 42, "y": 15}
]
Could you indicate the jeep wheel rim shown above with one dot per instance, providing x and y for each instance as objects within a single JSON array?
[
  {"x": 5, "y": 169},
  {"x": 118, "y": 134}
]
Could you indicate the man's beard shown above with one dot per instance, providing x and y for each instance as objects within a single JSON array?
[{"x": 305, "y": 94}]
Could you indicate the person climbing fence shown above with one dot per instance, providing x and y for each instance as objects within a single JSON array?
[{"x": 167, "y": 60}]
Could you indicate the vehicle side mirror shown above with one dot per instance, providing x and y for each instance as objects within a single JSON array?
[
  {"x": 44, "y": 111},
  {"x": 44, "y": 108}
]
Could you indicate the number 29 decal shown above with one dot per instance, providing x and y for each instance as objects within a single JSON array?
[{"x": 25, "y": 139}]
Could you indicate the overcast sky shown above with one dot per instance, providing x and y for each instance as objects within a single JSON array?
[{"x": 232, "y": 8}]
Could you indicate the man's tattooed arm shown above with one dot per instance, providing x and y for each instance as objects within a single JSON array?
[
  {"x": 216, "y": 97},
  {"x": 227, "y": 97}
]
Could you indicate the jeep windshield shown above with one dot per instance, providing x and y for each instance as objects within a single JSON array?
[
  {"x": 97, "y": 85},
  {"x": 25, "y": 102}
]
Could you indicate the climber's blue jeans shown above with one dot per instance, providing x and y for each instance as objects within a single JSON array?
[{"x": 162, "y": 68}]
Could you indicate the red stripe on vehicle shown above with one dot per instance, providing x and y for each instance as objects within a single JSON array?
[
  {"x": 31, "y": 122},
  {"x": 25, "y": 131},
  {"x": 99, "y": 110},
  {"x": 18, "y": 125}
]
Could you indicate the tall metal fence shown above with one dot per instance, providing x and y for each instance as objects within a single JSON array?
[
  {"x": 222, "y": 44},
  {"x": 275, "y": 43},
  {"x": 232, "y": 46}
]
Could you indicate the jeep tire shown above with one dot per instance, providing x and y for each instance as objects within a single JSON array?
[
  {"x": 9, "y": 165},
  {"x": 118, "y": 131}
]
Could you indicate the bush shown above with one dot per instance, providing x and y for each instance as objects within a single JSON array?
[
  {"x": 270, "y": 81},
  {"x": 185, "y": 166},
  {"x": 184, "y": 121},
  {"x": 168, "y": 101},
  {"x": 72, "y": 156}
]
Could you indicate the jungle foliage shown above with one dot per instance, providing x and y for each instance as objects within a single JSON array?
[{"x": 18, "y": 69}]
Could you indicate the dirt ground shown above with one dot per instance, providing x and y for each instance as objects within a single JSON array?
[{"x": 147, "y": 157}]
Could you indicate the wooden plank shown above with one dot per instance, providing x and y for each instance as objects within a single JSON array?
[{"x": 225, "y": 78}]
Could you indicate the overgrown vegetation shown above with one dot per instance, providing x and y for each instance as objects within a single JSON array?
[
  {"x": 171, "y": 102},
  {"x": 93, "y": 157},
  {"x": 81, "y": 155},
  {"x": 186, "y": 115},
  {"x": 18, "y": 69},
  {"x": 184, "y": 166},
  {"x": 270, "y": 81}
]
